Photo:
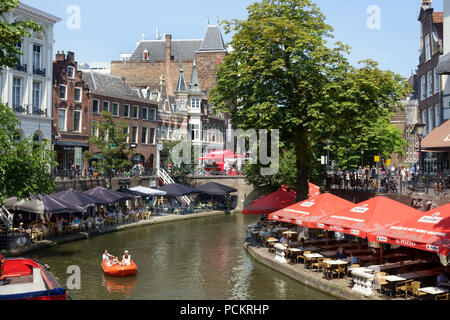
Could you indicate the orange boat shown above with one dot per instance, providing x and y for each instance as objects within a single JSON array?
[{"x": 120, "y": 271}]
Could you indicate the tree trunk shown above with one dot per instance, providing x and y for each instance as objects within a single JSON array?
[{"x": 304, "y": 165}]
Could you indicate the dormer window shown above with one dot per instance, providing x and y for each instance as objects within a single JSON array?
[{"x": 145, "y": 55}]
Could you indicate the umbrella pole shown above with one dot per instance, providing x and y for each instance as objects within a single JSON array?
[{"x": 381, "y": 253}]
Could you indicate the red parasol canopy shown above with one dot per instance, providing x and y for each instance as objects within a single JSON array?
[
  {"x": 278, "y": 200},
  {"x": 308, "y": 212},
  {"x": 220, "y": 155},
  {"x": 428, "y": 231},
  {"x": 366, "y": 217}
]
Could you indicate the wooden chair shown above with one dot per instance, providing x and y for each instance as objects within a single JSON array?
[
  {"x": 318, "y": 265},
  {"x": 415, "y": 286},
  {"x": 441, "y": 296},
  {"x": 302, "y": 256},
  {"x": 403, "y": 287},
  {"x": 340, "y": 269},
  {"x": 383, "y": 282}
]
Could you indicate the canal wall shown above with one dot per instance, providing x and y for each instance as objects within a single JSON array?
[
  {"x": 108, "y": 229},
  {"x": 338, "y": 288}
]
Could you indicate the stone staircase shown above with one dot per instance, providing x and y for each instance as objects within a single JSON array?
[{"x": 167, "y": 179}]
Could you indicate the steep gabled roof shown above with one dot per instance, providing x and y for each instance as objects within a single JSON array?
[
  {"x": 181, "y": 84},
  {"x": 108, "y": 85},
  {"x": 213, "y": 40}
]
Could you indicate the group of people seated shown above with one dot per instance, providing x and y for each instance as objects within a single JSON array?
[{"x": 111, "y": 260}]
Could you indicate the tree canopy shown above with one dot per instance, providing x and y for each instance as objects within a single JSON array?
[
  {"x": 111, "y": 152},
  {"x": 282, "y": 74}
]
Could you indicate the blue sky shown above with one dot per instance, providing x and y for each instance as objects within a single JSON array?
[{"x": 109, "y": 28}]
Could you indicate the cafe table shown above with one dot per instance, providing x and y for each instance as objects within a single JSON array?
[
  {"x": 310, "y": 257},
  {"x": 433, "y": 290},
  {"x": 294, "y": 252},
  {"x": 330, "y": 264}
]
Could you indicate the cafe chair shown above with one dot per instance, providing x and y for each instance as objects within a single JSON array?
[
  {"x": 302, "y": 256},
  {"x": 317, "y": 265},
  {"x": 383, "y": 282},
  {"x": 340, "y": 269},
  {"x": 441, "y": 296},
  {"x": 415, "y": 286},
  {"x": 403, "y": 287}
]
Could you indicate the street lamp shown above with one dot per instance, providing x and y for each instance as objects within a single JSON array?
[
  {"x": 326, "y": 142},
  {"x": 418, "y": 128}
]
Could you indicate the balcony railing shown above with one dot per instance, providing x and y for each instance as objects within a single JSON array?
[
  {"x": 39, "y": 72},
  {"x": 21, "y": 68},
  {"x": 32, "y": 111}
]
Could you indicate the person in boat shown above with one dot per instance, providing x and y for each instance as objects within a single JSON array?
[
  {"x": 126, "y": 259},
  {"x": 110, "y": 259}
]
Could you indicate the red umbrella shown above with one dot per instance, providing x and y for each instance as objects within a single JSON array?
[
  {"x": 278, "y": 200},
  {"x": 366, "y": 217},
  {"x": 273, "y": 202},
  {"x": 428, "y": 231},
  {"x": 308, "y": 212}
]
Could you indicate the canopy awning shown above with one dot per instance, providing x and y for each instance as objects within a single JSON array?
[
  {"x": 366, "y": 217},
  {"x": 79, "y": 198},
  {"x": 307, "y": 213},
  {"x": 438, "y": 139},
  {"x": 149, "y": 191},
  {"x": 43, "y": 204},
  {"x": 443, "y": 66},
  {"x": 178, "y": 190},
  {"x": 213, "y": 188},
  {"x": 429, "y": 231},
  {"x": 108, "y": 195}
]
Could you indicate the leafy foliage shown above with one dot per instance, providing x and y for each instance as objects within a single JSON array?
[
  {"x": 25, "y": 165},
  {"x": 283, "y": 75},
  {"x": 113, "y": 150},
  {"x": 12, "y": 33}
]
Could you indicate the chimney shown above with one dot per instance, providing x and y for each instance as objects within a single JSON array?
[
  {"x": 168, "y": 38},
  {"x": 60, "y": 56},
  {"x": 426, "y": 4},
  {"x": 70, "y": 56}
]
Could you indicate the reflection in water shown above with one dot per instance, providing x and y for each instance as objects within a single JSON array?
[
  {"x": 188, "y": 260},
  {"x": 120, "y": 285}
]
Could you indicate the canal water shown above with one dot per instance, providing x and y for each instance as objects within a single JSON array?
[{"x": 187, "y": 260}]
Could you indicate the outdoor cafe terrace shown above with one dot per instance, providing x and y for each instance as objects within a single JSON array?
[{"x": 377, "y": 248}]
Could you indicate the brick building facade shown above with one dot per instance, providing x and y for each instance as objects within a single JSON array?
[{"x": 71, "y": 101}]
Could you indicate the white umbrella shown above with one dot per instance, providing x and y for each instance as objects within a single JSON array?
[{"x": 149, "y": 191}]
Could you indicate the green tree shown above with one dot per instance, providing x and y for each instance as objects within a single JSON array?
[
  {"x": 113, "y": 152},
  {"x": 25, "y": 165},
  {"x": 12, "y": 33},
  {"x": 283, "y": 75},
  {"x": 180, "y": 173}
]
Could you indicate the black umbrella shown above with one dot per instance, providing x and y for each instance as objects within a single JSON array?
[
  {"x": 79, "y": 198},
  {"x": 54, "y": 205},
  {"x": 216, "y": 189},
  {"x": 177, "y": 190},
  {"x": 108, "y": 195}
]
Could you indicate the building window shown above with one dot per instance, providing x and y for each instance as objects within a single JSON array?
[
  {"x": 62, "y": 119},
  {"x": 106, "y": 106},
  {"x": 182, "y": 104},
  {"x": 430, "y": 119},
  {"x": 437, "y": 82},
  {"x": 153, "y": 114},
  {"x": 145, "y": 55},
  {"x": 95, "y": 106},
  {"x": 136, "y": 112},
  {"x": 134, "y": 134},
  {"x": 36, "y": 57},
  {"x": 144, "y": 135},
  {"x": 437, "y": 114},
  {"x": 152, "y": 135},
  {"x": 195, "y": 103},
  {"x": 195, "y": 132},
  {"x": 145, "y": 113},
  {"x": 94, "y": 131},
  {"x": 115, "y": 109},
  {"x": 77, "y": 94},
  {"x": 126, "y": 131},
  {"x": 36, "y": 95},
  {"x": 70, "y": 72},
  {"x": 77, "y": 121},
  {"x": 19, "y": 47},
  {"x": 423, "y": 93},
  {"x": 430, "y": 84},
  {"x": 425, "y": 120},
  {"x": 63, "y": 92},
  {"x": 427, "y": 48},
  {"x": 17, "y": 93},
  {"x": 126, "y": 110}
]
